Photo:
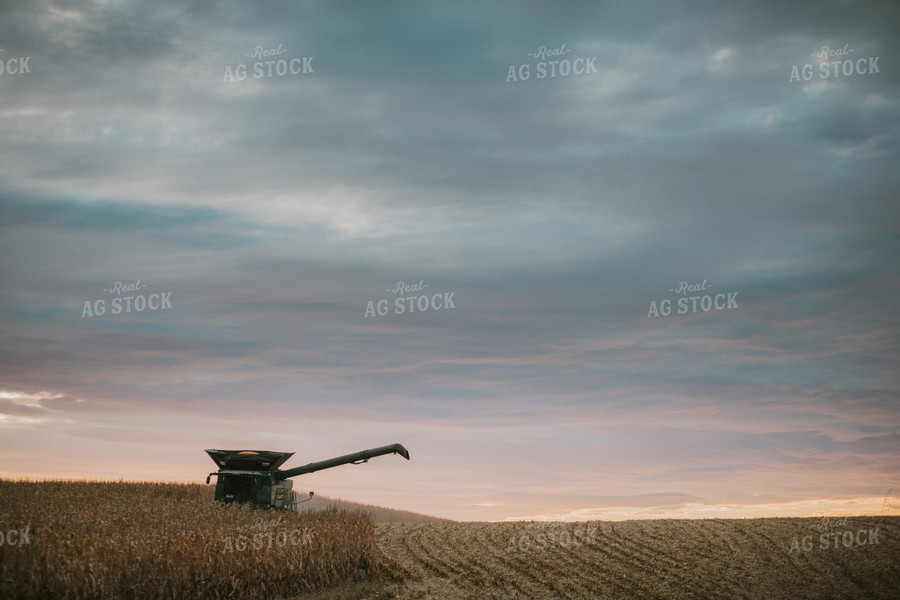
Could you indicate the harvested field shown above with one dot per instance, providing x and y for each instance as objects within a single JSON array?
[{"x": 750, "y": 558}]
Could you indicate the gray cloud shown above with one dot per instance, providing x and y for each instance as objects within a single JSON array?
[{"x": 555, "y": 210}]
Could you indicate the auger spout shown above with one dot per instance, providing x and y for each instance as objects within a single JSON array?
[{"x": 355, "y": 458}]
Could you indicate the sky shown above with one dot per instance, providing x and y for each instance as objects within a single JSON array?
[{"x": 582, "y": 259}]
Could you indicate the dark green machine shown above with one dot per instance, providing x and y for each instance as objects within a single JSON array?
[{"x": 253, "y": 477}]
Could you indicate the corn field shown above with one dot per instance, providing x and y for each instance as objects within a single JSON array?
[
  {"x": 162, "y": 540},
  {"x": 66, "y": 540}
]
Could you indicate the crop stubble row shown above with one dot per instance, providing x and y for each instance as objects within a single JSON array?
[{"x": 638, "y": 559}]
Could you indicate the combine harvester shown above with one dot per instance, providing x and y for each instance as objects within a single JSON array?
[{"x": 252, "y": 476}]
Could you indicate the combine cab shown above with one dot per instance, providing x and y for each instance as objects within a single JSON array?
[{"x": 253, "y": 476}]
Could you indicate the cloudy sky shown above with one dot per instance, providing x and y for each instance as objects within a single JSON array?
[{"x": 550, "y": 176}]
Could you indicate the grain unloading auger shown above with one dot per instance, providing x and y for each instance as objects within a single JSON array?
[{"x": 253, "y": 476}]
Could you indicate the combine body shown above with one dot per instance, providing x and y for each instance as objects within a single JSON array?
[{"x": 253, "y": 476}]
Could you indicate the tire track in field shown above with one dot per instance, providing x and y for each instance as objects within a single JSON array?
[
  {"x": 416, "y": 555},
  {"x": 603, "y": 566},
  {"x": 486, "y": 552},
  {"x": 669, "y": 557},
  {"x": 592, "y": 569},
  {"x": 578, "y": 571},
  {"x": 689, "y": 554},
  {"x": 634, "y": 563},
  {"x": 552, "y": 562},
  {"x": 538, "y": 565},
  {"x": 480, "y": 552},
  {"x": 577, "y": 566},
  {"x": 600, "y": 572},
  {"x": 428, "y": 554},
  {"x": 467, "y": 548}
]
